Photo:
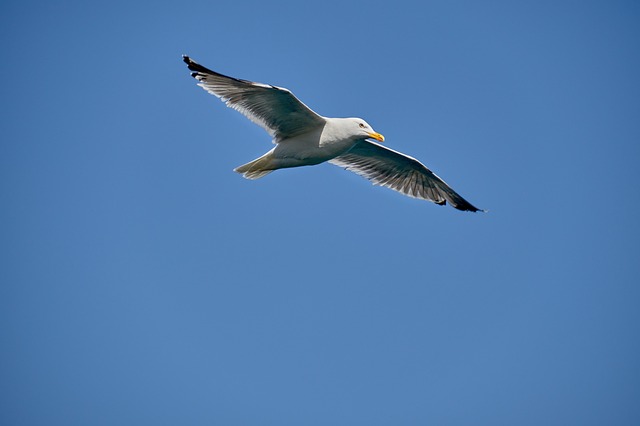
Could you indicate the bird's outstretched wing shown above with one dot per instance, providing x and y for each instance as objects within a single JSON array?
[
  {"x": 397, "y": 171},
  {"x": 276, "y": 109}
]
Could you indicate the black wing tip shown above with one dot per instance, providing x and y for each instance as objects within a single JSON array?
[
  {"x": 464, "y": 206},
  {"x": 191, "y": 64},
  {"x": 468, "y": 207},
  {"x": 194, "y": 66}
]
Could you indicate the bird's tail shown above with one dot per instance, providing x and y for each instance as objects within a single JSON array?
[{"x": 257, "y": 168}]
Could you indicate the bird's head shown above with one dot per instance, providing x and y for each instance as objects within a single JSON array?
[{"x": 363, "y": 129}]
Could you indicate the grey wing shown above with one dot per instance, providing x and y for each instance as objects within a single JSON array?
[
  {"x": 397, "y": 171},
  {"x": 276, "y": 109}
]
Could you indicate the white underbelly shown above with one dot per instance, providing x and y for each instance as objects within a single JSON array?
[{"x": 305, "y": 150}]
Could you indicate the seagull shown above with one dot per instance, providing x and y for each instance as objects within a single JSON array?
[{"x": 304, "y": 138}]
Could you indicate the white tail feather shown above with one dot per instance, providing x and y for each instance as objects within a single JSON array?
[{"x": 257, "y": 168}]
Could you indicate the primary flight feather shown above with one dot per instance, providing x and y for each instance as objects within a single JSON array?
[{"x": 303, "y": 138}]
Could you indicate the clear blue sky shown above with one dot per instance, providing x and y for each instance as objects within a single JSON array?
[{"x": 144, "y": 282}]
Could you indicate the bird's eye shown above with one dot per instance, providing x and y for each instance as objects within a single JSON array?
[{"x": 362, "y": 126}]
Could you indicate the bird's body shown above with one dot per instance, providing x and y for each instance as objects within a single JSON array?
[
  {"x": 303, "y": 138},
  {"x": 318, "y": 145}
]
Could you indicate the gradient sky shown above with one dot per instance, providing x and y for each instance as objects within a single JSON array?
[{"x": 144, "y": 282}]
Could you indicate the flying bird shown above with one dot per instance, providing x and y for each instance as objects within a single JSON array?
[{"x": 303, "y": 138}]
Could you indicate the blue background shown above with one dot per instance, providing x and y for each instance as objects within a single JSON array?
[{"x": 143, "y": 282}]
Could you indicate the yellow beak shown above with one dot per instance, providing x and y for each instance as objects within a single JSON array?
[{"x": 377, "y": 136}]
